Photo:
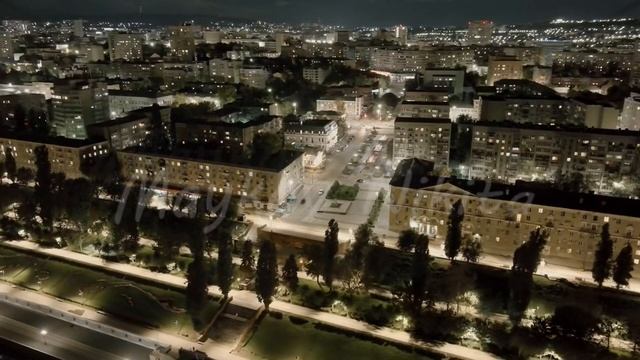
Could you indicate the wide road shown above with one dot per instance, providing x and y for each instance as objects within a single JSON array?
[{"x": 63, "y": 340}]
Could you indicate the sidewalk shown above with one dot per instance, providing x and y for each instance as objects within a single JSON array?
[{"x": 249, "y": 300}]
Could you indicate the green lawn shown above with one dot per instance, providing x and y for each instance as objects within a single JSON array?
[
  {"x": 280, "y": 339},
  {"x": 342, "y": 192},
  {"x": 144, "y": 304}
]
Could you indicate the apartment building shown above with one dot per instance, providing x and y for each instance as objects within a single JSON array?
[
  {"x": 479, "y": 32},
  {"x": 504, "y": 67},
  {"x": 315, "y": 75},
  {"x": 130, "y": 130},
  {"x": 66, "y": 156},
  {"x": 265, "y": 186},
  {"x": 182, "y": 42},
  {"x": 398, "y": 60},
  {"x": 6, "y": 47},
  {"x": 510, "y": 152},
  {"x": 122, "y": 101},
  {"x": 125, "y": 46},
  {"x": 501, "y": 216},
  {"x": 630, "y": 117},
  {"x": 451, "y": 80},
  {"x": 424, "y": 109},
  {"x": 349, "y": 106},
  {"x": 230, "y": 128},
  {"x": 76, "y": 104},
  {"x": 422, "y": 138},
  {"x": 322, "y": 134}
]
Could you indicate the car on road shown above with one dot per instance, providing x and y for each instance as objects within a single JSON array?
[
  {"x": 360, "y": 181},
  {"x": 321, "y": 192}
]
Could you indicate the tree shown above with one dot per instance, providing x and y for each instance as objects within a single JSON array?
[
  {"x": 362, "y": 238},
  {"x": 527, "y": 256},
  {"x": 76, "y": 200},
  {"x": 454, "y": 233},
  {"x": 290, "y": 273},
  {"x": 574, "y": 321},
  {"x": 197, "y": 289},
  {"x": 248, "y": 260},
  {"x": 157, "y": 138},
  {"x": 24, "y": 176},
  {"x": 43, "y": 191},
  {"x": 623, "y": 267},
  {"x": 415, "y": 292},
  {"x": 407, "y": 240},
  {"x": 19, "y": 119},
  {"x": 526, "y": 259},
  {"x": 264, "y": 146},
  {"x": 314, "y": 261},
  {"x": 602, "y": 259},
  {"x": 224, "y": 265},
  {"x": 330, "y": 251},
  {"x": 10, "y": 166},
  {"x": 38, "y": 123},
  {"x": 267, "y": 273},
  {"x": 471, "y": 250}
]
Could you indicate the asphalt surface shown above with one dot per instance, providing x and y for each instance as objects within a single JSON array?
[{"x": 63, "y": 340}]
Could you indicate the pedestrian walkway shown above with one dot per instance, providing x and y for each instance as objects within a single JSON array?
[{"x": 249, "y": 300}]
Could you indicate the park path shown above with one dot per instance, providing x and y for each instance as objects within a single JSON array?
[{"x": 249, "y": 300}]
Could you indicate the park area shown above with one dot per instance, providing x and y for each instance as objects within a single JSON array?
[
  {"x": 147, "y": 305},
  {"x": 288, "y": 338},
  {"x": 343, "y": 192}
]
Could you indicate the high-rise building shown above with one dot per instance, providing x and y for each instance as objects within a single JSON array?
[
  {"x": 630, "y": 117},
  {"x": 6, "y": 48},
  {"x": 127, "y": 47},
  {"x": 504, "y": 67},
  {"x": 78, "y": 28},
  {"x": 401, "y": 34},
  {"x": 182, "y": 42},
  {"x": 76, "y": 104},
  {"x": 479, "y": 32}
]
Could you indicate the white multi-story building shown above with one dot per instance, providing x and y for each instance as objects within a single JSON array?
[
  {"x": 265, "y": 186},
  {"x": 630, "y": 118},
  {"x": 322, "y": 134},
  {"x": 349, "y": 106},
  {"x": 67, "y": 156},
  {"x": 76, "y": 104},
  {"x": 501, "y": 217},
  {"x": 422, "y": 138},
  {"x": 122, "y": 102},
  {"x": 504, "y": 67},
  {"x": 511, "y": 152}
]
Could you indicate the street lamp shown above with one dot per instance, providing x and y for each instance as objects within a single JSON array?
[
  {"x": 295, "y": 108},
  {"x": 44, "y": 333}
]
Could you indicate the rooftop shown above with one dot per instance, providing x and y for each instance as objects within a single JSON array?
[
  {"x": 415, "y": 174},
  {"x": 419, "y": 120},
  {"x": 50, "y": 140}
]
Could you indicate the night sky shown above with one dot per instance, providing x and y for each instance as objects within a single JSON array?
[{"x": 345, "y": 12}]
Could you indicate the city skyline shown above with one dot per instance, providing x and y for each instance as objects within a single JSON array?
[{"x": 353, "y": 13}]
